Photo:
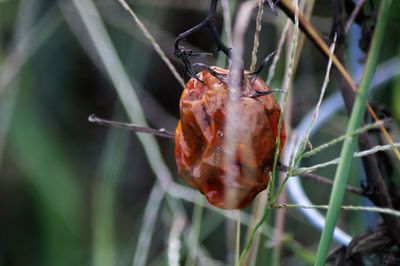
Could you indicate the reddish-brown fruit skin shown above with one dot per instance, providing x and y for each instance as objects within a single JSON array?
[{"x": 199, "y": 140}]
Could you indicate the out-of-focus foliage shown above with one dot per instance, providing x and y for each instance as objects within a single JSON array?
[{"x": 72, "y": 193}]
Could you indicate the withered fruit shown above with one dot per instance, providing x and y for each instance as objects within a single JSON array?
[{"x": 230, "y": 177}]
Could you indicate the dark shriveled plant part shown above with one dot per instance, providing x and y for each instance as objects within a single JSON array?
[
  {"x": 186, "y": 55},
  {"x": 376, "y": 245}
]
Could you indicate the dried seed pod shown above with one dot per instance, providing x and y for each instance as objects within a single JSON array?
[{"x": 200, "y": 153}]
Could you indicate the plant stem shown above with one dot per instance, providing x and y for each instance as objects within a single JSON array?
[
  {"x": 349, "y": 144},
  {"x": 238, "y": 223},
  {"x": 319, "y": 43},
  {"x": 113, "y": 157},
  {"x": 194, "y": 235}
]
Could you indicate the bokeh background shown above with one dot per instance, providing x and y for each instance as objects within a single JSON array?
[{"x": 73, "y": 193}]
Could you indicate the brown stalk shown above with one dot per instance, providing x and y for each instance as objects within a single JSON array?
[
  {"x": 380, "y": 195},
  {"x": 161, "y": 132},
  {"x": 378, "y": 192},
  {"x": 312, "y": 34}
]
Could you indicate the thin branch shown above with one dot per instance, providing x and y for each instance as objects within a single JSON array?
[
  {"x": 353, "y": 15},
  {"x": 156, "y": 47},
  {"x": 286, "y": 86},
  {"x": 312, "y": 34},
  {"x": 305, "y": 140},
  {"x": 271, "y": 71},
  {"x": 364, "y": 153},
  {"x": 256, "y": 41},
  {"x": 345, "y": 207},
  {"x": 342, "y": 137},
  {"x": 302, "y": 172},
  {"x": 161, "y": 132},
  {"x": 323, "y": 180}
]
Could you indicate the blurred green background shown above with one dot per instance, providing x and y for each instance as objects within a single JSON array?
[{"x": 72, "y": 193}]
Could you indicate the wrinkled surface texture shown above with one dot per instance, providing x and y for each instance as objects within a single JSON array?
[{"x": 229, "y": 175}]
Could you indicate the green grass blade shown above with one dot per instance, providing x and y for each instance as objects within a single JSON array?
[
  {"x": 195, "y": 230},
  {"x": 39, "y": 153},
  {"x": 349, "y": 144},
  {"x": 110, "y": 169},
  {"x": 149, "y": 219},
  {"x": 104, "y": 47},
  {"x": 109, "y": 57},
  {"x": 155, "y": 45},
  {"x": 27, "y": 46}
]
